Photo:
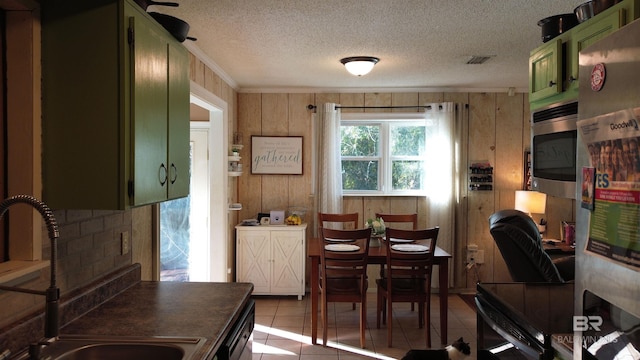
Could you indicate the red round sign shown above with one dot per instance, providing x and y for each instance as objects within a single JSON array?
[{"x": 598, "y": 75}]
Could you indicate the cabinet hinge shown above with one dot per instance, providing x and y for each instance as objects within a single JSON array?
[{"x": 130, "y": 188}]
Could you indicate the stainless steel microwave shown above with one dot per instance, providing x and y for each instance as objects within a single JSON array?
[{"x": 553, "y": 150}]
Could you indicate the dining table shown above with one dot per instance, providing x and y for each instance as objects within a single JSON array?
[{"x": 378, "y": 255}]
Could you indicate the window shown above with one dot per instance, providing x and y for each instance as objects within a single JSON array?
[{"x": 383, "y": 154}]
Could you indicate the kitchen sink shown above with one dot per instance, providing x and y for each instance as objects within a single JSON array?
[{"x": 77, "y": 347}]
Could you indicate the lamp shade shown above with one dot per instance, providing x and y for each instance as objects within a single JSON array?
[
  {"x": 359, "y": 65},
  {"x": 531, "y": 202}
]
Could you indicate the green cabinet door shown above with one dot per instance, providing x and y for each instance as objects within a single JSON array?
[
  {"x": 587, "y": 35},
  {"x": 149, "y": 102},
  {"x": 179, "y": 127},
  {"x": 545, "y": 69}
]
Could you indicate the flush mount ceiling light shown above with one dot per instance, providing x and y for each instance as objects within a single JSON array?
[{"x": 359, "y": 65}]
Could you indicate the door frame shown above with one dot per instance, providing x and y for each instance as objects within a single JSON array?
[{"x": 218, "y": 126}]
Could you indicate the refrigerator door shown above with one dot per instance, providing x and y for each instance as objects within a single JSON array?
[{"x": 616, "y": 61}]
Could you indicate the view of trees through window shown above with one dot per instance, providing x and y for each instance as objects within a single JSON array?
[{"x": 383, "y": 156}]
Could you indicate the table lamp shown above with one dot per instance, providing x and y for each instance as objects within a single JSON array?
[{"x": 532, "y": 202}]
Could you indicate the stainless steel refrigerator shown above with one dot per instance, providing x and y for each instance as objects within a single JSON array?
[{"x": 607, "y": 288}]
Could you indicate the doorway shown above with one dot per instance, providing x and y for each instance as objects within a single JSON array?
[{"x": 193, "y": 230}]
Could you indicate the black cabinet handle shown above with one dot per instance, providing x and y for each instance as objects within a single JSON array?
[
  {"x": 551, "y": 83},
  {"x": 174, "y": 173},
  {"x": 162, "y": 174},
  {"x": 572, "y": 79}
]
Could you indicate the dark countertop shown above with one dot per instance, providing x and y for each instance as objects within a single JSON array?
[{"x": 168, "y": 309}]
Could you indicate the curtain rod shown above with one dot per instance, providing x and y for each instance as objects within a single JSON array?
[{"x": 312, "y": 107}]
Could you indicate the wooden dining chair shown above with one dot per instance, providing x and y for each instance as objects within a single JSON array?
[
  {"x": 402, "y": 220},
  {"x": 343, "y": 273},
  {"x": 338, "y": 221},
  {"x": 407, "y": 277},
  {"x": 346, "y": 221},
  {"x": 399, "y": 218}
]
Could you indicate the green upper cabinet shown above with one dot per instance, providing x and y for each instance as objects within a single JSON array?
[
  {"x": 115, "y": 107},
  {"x": 553, "y": 67},
  {"x": 587, "y": 35},
  {"x": 545, "y": 70}
]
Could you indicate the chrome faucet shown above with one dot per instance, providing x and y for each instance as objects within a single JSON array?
[{"x": 52, "y": 294}]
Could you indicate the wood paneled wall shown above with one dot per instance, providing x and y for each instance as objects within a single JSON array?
[{"x": 498, "y": 132}]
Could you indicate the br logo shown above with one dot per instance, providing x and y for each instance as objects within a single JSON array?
[{"x": 585, "y": 323}]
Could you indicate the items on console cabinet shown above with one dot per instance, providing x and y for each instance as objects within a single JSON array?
[
  {"x": 480, "y": 175},
  {"x": 276, "y": 217},
  {"x": 568, "y": 232},
  {"x": 249, "y": 222}
]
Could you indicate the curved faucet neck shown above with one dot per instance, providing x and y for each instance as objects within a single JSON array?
[{"x": 52, "y": 294}]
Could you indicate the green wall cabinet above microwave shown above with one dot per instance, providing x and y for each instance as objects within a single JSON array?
[
  {"x": 553, "y": 66},
  {"x": 115, "y": 107}
]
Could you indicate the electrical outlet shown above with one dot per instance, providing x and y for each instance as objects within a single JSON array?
[
  {"x": 472, "y": 253},
  {"x": 124, "y": 243}
]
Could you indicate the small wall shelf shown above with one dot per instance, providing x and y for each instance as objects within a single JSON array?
[
  {"x": 480, "y": 176},
  {"x": 235, "y": 207},
  {"x": 235, "y": 168}
]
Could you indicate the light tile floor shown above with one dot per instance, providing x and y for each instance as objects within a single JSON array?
[{"x": 283, "y": 330}]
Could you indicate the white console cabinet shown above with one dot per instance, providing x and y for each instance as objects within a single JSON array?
[{"x": 272, "y": 257}]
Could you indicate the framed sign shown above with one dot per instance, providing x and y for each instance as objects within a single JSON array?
[
  {"x": 280, "y": 155},
  {"x": 526, "y": 180}
]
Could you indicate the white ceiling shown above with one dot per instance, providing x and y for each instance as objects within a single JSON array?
[{"x": 296, "y": 45}]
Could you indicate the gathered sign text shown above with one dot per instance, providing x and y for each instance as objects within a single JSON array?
[{"x": 276, "y": 155}]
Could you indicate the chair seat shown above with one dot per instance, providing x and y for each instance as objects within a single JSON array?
[
  {"x": 412, "y": 286},
  {"x": 344, "y": 286}
]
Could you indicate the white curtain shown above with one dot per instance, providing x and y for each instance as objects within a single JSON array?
[
  {"x": 328, "y": 177},
  {"x": 444, "y": 132}
]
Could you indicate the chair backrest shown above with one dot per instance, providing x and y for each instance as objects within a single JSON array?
[
  {"x": 399, "y": 218},
  {"x": 518, "y": 239},
  {"x": 415, "y": 266},
  {"x": 343, "y": 221},
  {"x": 350, "y": 264}
]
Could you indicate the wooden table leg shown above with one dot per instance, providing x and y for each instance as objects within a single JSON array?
[
  {"x": 314, "y": 298},
  {"x": 443, "y": 270}
]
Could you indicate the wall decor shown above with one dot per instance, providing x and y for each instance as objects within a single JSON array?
[
  {"x": 281, "y": 155},
  {"x": 526, "y": 180}
]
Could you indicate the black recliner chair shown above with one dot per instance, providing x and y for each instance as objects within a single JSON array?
[{"x": 520, "y": 244}]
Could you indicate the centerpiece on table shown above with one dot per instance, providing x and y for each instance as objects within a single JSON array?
[{"x": 377, "y": 231}]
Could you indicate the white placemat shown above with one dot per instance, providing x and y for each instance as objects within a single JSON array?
[
  {"x": 410, "y": 247},
  {"x": 342, "y": 247},
  {"x": 394, "y": 240},
  {"x": 338, "y": 240}
]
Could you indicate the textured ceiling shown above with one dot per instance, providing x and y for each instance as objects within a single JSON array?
[{"x": 277, "y": 45}]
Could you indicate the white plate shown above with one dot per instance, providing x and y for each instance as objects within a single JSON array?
[
  {"x": 410, "y": 247},
  {"x": 394, "y": 240},
  {"x": 342, "y": 247},
  {"x": 338, "y": 240}
]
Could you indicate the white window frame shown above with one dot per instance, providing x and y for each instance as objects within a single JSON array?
[{"x": 384, "y": 120}]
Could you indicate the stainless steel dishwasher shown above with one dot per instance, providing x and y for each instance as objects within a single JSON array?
[{"x": 238, "y": 339}]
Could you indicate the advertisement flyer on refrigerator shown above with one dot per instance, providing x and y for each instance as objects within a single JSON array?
[{"x": 612, "y": 142}]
